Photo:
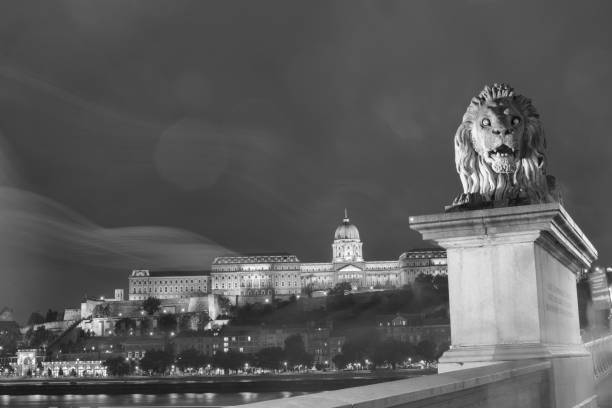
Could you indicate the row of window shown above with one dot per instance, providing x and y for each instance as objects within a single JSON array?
[
  {"x": 235, "y": 277},
  {"x": 164, "y": 282},
  {"x": 249, "y": 285},
  {"x": 165, "y": 289}
]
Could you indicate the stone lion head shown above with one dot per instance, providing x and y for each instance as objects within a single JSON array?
[{"x": 500, "y": 148}]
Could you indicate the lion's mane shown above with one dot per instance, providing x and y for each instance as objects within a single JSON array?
[{"x": 477, "y": 176}]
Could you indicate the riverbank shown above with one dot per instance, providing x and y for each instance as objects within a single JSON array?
[{"x": 202, "y": 384}]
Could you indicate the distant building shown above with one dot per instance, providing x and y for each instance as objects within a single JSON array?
[
  {"x": 318, "y": 341},
  {"x": 427, "y": 261},
  {"x": 413, "y": 328},
  {"x": 76, "y": 368},
  {"x": 261, "y": 277},
  {"x": 258, "y": 277},
  {"x": 144, "y": 283},
  {"x": 72, "y": 314}
]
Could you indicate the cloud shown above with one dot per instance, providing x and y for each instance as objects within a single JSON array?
[{"x": 39, "y": 237}]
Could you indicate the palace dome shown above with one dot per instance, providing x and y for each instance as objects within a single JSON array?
[{"x": 346, "y": 230}]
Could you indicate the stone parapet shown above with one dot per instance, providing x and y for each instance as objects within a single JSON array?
[{"x": 524, "y": 384}]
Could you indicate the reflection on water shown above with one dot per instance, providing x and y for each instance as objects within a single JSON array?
[{"x": 207, "y": 399}]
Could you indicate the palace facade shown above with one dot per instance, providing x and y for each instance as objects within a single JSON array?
[
  {"x": 256, "y": 276},
  {"x": 261, "y": 277},
  {"x": 167, "y": 284}
]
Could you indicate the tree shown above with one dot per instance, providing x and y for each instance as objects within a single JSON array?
[
  {"x": 151, "y": 305},
  {"x": 41, "y": 337},
  {"x": 124, "y": 326},
  {"x": 295, "y": 352},
  {"x": 340, "y": 361},
  {"x": 60, "y": 373},
  {"x": 191, "y": 359},
  {"x": 117, "y": 366},
  {"x": 225, "y": 305},
  {"x": 232, "y": 360},
  {"x": 9, "y": 339},
  {"x": 430, "y": 290},
  {"x": 308, "y": 289},
  {"x": 426, "y": 350},
  {"x": 102, "y": 310},
  {"x": 35, "y": 318},
  {"x": 145, "y": 326},
  {"x": 340, "y": 288},
  {"x": 184, "y": 322},
  {"x": 270, "y": 358},
  {"x": 167, "y": 323},
  {"x": 49, "y": 372},
  {"x": 51, "y": 316},
  {"x": 391, "y": 352},
  {"x": 156, "y": 361}
]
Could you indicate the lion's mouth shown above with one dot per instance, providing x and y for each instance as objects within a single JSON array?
[{"x": 503, "y": 159}]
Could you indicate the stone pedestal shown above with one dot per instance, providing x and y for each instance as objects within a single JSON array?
[{"x": 512, "y": 291}]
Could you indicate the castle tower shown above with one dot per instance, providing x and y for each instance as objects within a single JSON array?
[{"x": 347, "y": 244}]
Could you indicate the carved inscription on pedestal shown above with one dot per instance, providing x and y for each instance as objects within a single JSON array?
[{"x": 556, "y": 301}]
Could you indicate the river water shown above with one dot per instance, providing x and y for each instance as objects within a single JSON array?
[{"x": 209, "y": 399}]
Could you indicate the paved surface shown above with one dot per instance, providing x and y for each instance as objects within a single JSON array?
[{"x": 604, "y": 392}]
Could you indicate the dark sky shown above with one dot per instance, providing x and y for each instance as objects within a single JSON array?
[{"x": 147, "y": 134}]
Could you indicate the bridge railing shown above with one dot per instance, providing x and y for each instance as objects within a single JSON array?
[
  {"x": 601, "y": 352},
  {"x": 525, "y": 384}
]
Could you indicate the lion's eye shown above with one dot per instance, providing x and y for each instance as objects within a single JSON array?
[
  {"x": 486, "y": 122},
  {"x": 516, "y": 120}
]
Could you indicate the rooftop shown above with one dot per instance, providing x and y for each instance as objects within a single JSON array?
[
  {"x": 256, "y": 258},
  {"x": 158, "y": 274}
]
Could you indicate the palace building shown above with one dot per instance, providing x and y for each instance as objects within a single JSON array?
[
  {"x": 167, "y": 284},
  {"x": 261, "y": 277}
]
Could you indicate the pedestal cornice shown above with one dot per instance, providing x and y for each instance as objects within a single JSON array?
[{"x": 542, "y": 223}]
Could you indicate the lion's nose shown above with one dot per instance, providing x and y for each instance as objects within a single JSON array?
[{"x": 502, "y": 131}]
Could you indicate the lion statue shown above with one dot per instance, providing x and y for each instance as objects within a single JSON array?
[{"x": 500, "y": 152}]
